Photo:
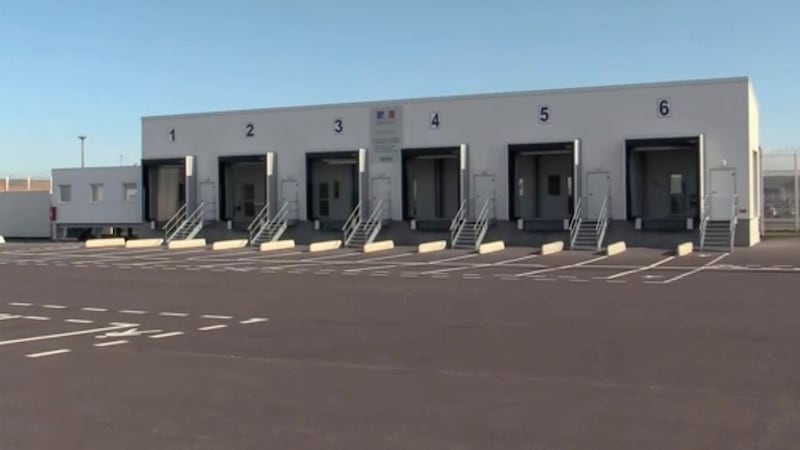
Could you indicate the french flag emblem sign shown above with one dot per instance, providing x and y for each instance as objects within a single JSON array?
[
  {"x": 380, "y": 115},
  {"x": 391, "y": 114}
]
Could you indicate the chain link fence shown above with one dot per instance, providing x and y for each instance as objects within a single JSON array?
[{"x": 781, "y": 182}]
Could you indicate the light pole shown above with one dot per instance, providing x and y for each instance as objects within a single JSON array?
[{"x": 82, "y": 138}]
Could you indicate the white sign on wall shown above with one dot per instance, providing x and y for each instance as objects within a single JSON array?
[{"x": 386, "y": 132}]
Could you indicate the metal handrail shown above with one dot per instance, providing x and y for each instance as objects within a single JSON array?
[
  {"x": 353, "y": 219},
  {"x": 197, "y": 215},
  {"x": 175, "y": 221},
  {"x": 575, "y": 222},
  {"x": 268, "y": 224},
  {"x": 483, "y": 217},
  {"x": 602, "y": 216},
  {"x": 259, "y": 219},
  {"x": 377, "y": 212},
  {"x": 458, "y": 222},
  {"x": 459, "y": 217}
]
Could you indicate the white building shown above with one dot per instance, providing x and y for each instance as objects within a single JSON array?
[
  {"x": 656, "y": 162},
  {"x": 96, "y": 198}
]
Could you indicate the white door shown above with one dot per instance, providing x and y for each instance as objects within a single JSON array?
[
  {"x": 208, "y": 195},
  {"x": 289, "y": 194},
  {"x": 380, "y": 188},
  {"x": 597, "y": 192},
  {"x": 722, "y": 194},
  {"x": 483, "y": 189}
]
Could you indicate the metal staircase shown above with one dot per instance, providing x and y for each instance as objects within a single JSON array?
[
  {"x": 182, "y": 226},
  {"x": 588, "y": 234},
  {"x": 265, "y": 229},
  {"x": 466, "y": 233},
  {"x": 717, "y": 231},
  {"x": 359, "y": 232}
]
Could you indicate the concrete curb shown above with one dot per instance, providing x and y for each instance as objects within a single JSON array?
[
  {"x": 144, "y": 243},
  {"x": 552, "y": 247},
  {"x": 228, "y": 245},
  {"x": 277, "y": 245},
  {"x": 324, "y": 246},
  {"x": 378, "y": 246},
  {"x": 684, "y": 249},
  {"x": 491, "y": 247},
  {"x": 186, "y": 243},
  {"x": 616, "y": 248},
  {"x": 104, "y": 243},
  {"x": 433, "y": 246}
]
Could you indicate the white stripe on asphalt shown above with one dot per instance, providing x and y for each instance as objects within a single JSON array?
[
  {"x": 640, "y": 269},
  {"x": 166, "y": 335},
  {"x": 212, "y": 327},
  {"x": 54, "y": 306},
  {"x": 172, "y": 314},
  {"x": 35, "y": 318},
  {"x": 703, "y": 267},
  {"x": 568, "y": 266},
  {"x": 83, "y": 321},
  {"x": 48, "y": 353},
  {"x": 254, "y": 320},
  {"x": 116, "y": 326},
  {"x": 109, "y": 344},
  {"x": 19, "y": 304},
  {"x": 133, "y": 311},
  {"x": 212, "y": 316},
  {"x": 93, "y": 309}
]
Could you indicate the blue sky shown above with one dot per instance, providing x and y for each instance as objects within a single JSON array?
[{"x": 95, "y": 67}]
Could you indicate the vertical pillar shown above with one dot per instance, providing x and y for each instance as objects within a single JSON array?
[
  {"x": 701, "y": 183},
  {"x": 272, "y": 185},
  {"x": 363, "y": 184},
  {"x": 796, "y": 192},
  {"x": 463, "y": 175},
  {"x": 577, "y": 187},
  {"x": 8, "y": 184},
  {"x": 29, "y": 182},
  {"x": 190, "y": 183}
]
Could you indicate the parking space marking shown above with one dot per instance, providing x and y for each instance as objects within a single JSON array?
[
  {"x": 117, "y": 326},
  {"x": 564, "y": 267},
  {"x": 213, "y": 316},
  {"x": 166, "y": 335},
  {"x": 381, "y": 258},
  {"x": 172, "y": 314},
  {"x": 694, "y": 271},
  {"x": 82, "y": 321},
  {"x": 455, "y": 258},
  {"x": 54, "y": 306},
  {"x": 132, "y": 311},
  {"x": 48, "y": 353},
  {"x": 110, "y": 343},
  {"x": 212, "y": 327},
  {"x": 39, "y": 318},
  {"x": 93, "y": 309},
  {"x": 364, "y": 269},
  {"x": 20, "y": 304},
  {"x": 640, "y": 269},
  {"x": 253, "y": 320}
]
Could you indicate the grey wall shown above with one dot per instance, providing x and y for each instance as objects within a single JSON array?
[
  {"x": 602, "y": 118},
  {"x": 25, "y": 214},
  {"x": 114, "y": 209}
]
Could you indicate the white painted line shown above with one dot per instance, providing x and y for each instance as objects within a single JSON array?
[
  {"x": 19, "y": 304},
  {"x": 93, "y": 309},
  {"x": 254, "y": 320},
  {"x": 509, "y": 261},
  {"x": 166, "y": 335},
  {"x": 568, "y": 266},
  {"x": 455, "y": 258},
  {"x": 35, "y": 318},
  {"x": 703, "y": 267},
  {"x": 362, "y": 269},
  {"x": 212, "y": 327},
  {"x": 54, "y": 307},
  {"x": 212, "y": 316},
  {"x": 116, "y": 326},
  {"x": 640, "y": 269},
  {"x": 110, "y": 343},
  {"x": 49, "y": 353},
  {"x": 385, "y": 257},
  {"x": 83, "y": 321},
  {"x": 172, "y": 314},
  {"x": 133, "y": 311}
]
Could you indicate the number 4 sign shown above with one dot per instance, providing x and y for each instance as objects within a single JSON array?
[{"x": 435, "y": 120}]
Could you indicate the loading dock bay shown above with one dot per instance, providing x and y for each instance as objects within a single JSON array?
[{"x": 133, "y": 349}]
